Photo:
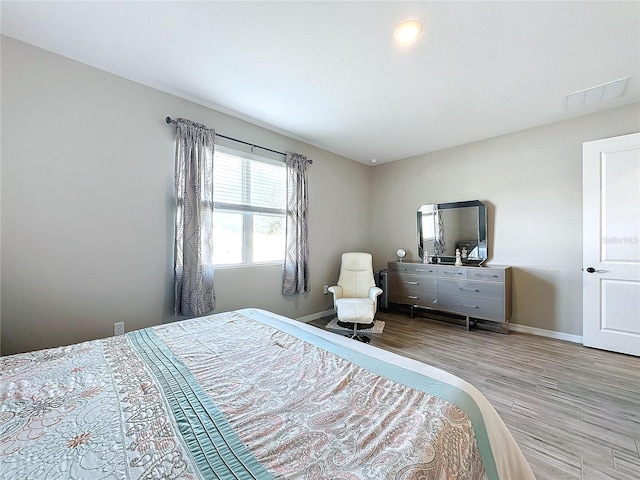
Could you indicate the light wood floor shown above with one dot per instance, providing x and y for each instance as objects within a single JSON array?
[{"x": 574, "y": 411}]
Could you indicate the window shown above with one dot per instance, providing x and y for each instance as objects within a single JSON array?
[
  {"x": 428, "y": 226},
  {"x": 249, "y": 208}
]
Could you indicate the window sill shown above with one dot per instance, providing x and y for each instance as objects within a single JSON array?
[{"x": 248, "y": 265}]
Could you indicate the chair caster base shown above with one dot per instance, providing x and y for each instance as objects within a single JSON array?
[
  {"x": 359, "y": 338},
  {"x": 350, "y": 325}
]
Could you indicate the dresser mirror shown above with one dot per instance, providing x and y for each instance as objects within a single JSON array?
[{"x": 445, "y": 227}]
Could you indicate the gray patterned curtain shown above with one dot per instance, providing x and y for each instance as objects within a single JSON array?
[
  {"x": 194, "y": 294},
  {"x": 296, "y": 261},
  {"x": 439, "y": 243}
]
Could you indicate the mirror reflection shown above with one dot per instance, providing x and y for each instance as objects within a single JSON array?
[{"x": 445, "y": 227}]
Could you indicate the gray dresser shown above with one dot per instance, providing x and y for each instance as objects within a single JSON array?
[{"x": 477, "y": 293}]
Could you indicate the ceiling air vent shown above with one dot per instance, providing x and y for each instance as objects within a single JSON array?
[{"x": 593, "y": 95}]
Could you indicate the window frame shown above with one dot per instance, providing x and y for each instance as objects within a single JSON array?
[{"x": 247, "y": 211}]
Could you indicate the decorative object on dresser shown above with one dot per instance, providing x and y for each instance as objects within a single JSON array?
[{"x": 475, "y": 293}]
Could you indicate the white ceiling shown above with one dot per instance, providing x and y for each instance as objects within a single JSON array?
[{"x": 330, "y": 74}]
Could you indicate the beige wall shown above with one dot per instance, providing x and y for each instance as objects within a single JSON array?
[
  {"x": 87, "y": 202},
  {"x": 532, "y": 184},
  {"x": 86, "y": 199}
]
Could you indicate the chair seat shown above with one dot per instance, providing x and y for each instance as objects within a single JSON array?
[{"x": 355, "y": 310}]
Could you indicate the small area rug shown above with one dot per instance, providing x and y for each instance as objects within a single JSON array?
[{"x": 378, "y": 327}]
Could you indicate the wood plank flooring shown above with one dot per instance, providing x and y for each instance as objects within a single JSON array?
[{"x": 574, "y": 411}]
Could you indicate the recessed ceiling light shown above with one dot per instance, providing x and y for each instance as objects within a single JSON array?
[
  {"x": 373, "y": 160},
  {"x": 408, "y": 31}
]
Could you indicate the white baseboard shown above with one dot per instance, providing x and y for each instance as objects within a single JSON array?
[
  {"x": 546, "y": 333},
  {"x": 512, "y": 326},
  {"x": 316, "y": 316}
]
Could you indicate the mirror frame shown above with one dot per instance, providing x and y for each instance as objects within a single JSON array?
[{"x": 481, "y": 230}]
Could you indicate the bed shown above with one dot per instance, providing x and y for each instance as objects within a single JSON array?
[{"x": 246, "y": 394}]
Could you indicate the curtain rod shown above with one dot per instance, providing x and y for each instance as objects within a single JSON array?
[{"x": 171, "y": 120}]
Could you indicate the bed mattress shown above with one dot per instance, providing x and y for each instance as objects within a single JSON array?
[{"x": 244, "y": 394}]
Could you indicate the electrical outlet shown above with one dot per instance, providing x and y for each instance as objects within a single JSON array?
[
  {"x": 118, "y": 328},
  {"x": 326, "y": 289}
]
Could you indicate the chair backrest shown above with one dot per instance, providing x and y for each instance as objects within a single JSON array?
[{"x": 356, "y": 274}]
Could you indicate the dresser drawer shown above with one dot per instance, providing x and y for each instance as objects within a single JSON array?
[
  {"x": 486, "y": 274},
  {"x": 400, "y": 281},
  {"x": 399, "y": 267},
  {"x": 466, "y": 288},
  {"x": 413, "y": 296},
  {"x": 452, "y": 272},
  {"x": 473, "y": 307},
  {"x": 424, "y": 269}
]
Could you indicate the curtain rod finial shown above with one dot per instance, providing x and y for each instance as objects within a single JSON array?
[{"x": 168, "y": 120}]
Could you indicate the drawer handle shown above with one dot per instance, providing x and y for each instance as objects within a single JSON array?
[
  {"x": 452, "y": 273},
  {"x": 483, "y": 275},
  {"x": 420, "y": 270},
  {"x": 412, "y": 283},
  {"x": 468, "y": 306},
  {"x": 412, "y": 297},
  {"x": 468, "y": 289}
]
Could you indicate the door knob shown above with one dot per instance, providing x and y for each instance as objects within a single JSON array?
[{"x": 593, "y": 270}]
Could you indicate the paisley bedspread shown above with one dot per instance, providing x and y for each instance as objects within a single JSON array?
[{"x": 243, "y": 395}]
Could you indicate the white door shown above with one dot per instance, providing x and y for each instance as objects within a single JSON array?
[{"x": 611, "y": 244}]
